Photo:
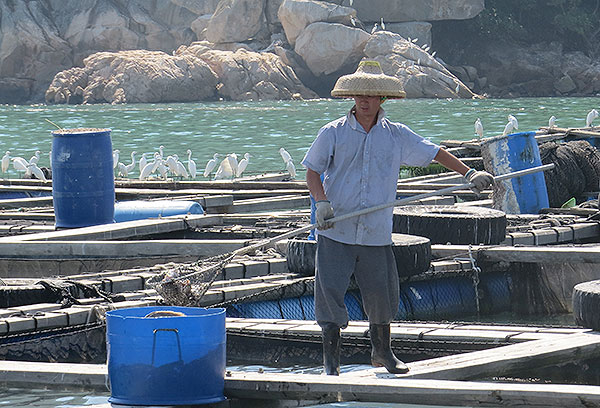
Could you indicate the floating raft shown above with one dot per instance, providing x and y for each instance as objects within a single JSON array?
[{"x": 446, "y": 380}]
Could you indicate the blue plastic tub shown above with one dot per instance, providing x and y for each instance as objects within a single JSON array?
[
  {"x": 141, "y": 210},
  {"x": 506, "y": 154},
  {"x": 83, "y": 186},
  {"x": 173, "y": 360}
]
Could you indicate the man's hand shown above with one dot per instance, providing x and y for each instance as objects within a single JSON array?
[
  {"x": 480, "y": 179},
  {"x": 324, "y": 211}
]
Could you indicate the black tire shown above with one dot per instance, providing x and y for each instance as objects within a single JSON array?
[
  {"x": 412, "y": 253},
  {"x": 586, "y": 304},
  {"x": 301, "y": 256},
  {"x": 451, "y": 224}
]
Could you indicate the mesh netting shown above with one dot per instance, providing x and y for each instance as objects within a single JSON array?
[{"x": 576, "y": 170}]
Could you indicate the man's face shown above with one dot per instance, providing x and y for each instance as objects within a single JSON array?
[{"x": 367, "y": 105}]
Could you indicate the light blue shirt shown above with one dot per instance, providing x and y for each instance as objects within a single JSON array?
[{"x": 361, "y": 170}]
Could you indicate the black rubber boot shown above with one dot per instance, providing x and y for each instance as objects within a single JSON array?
[
  {"x": 331, "y": 349},
  {"x": 381, "y": 352}
]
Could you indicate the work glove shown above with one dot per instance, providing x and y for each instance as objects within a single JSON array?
[
  {"x": 480, "y": 179},
  {"x": 323, "y": 212}
]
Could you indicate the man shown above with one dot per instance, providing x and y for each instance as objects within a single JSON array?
[{"x": 359, "y": 157}]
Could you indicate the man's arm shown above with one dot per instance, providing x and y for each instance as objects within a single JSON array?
[
  {"x": 480, "y": 179},
  {"x": 451, "y": 162},
  {"x": 315, "y": 186}
]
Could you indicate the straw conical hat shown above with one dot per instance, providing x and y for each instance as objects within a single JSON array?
[{"x": 368, "y": 80}]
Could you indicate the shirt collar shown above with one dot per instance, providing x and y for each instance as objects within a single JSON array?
[{"x": 354, "y": 123}]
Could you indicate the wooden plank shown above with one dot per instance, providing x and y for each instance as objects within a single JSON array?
[
  {"x": 510, "y": 359},
  {"x": 117, "y": 249},
  {"x": 570, "y": 254},
  {"x": 26, "y": 202},
  {"x": 122, "y": 230}
]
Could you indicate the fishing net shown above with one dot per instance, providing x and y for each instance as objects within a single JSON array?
[
  {"x": 576, "y": 170},
  {"x": 184, "y": 284}
]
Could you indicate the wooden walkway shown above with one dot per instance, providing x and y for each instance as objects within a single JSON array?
[{"x": 433, "y": 382}]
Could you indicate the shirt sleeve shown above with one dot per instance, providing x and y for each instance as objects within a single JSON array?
[
  {"x": 416, "y": 150},
  {"x": 320, "y": 153}
]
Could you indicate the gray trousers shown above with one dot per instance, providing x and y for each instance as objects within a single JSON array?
[{"x": 374, "y": 269}]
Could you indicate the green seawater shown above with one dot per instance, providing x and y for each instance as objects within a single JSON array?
[{"x": 261, "y": 128}]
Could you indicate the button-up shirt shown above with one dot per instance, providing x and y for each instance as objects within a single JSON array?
[{"x": 361, "y": 170}]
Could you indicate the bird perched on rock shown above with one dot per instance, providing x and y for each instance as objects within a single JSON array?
[
  {"x": 479, "y": 128},
  {"x": 591, "y": 116}
]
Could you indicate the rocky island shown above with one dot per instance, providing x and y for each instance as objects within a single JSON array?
[{"x": 132, "y": 51}]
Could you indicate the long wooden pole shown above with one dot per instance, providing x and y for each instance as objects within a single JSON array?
[{"x": 396, "y": 203}]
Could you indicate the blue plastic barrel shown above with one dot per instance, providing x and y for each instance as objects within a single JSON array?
[
  {"x": 141, "y": 210},
  {"x": 509, "y": 153},
  {"x": 171, "y": 360},
  {"x": 83, "y": 186}
]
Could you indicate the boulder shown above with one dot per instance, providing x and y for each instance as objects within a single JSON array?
[
  {"x": 236, "y": 20},
  {"x": 328, "y": 47},
  {"x": 199, "y": 26},
  {"x": 134, "y": 77},
  {"x": 420, "y": 31},
  {"x": 198, "y": 7},
  {"x": 296, "y": 15},
  {"x": 40, "y": 38},
  {"x": 421, "y": 74},
  {"x": 396, "y": 11},
  {"x": 247, "y": 75}
]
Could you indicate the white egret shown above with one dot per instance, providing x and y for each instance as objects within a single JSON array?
[
  {"x": 181, "y": 171},
  {"x": 5, "y": 161},
  {"x": 457, "y": 89},
  {"x": 129, "y": 167},
  {"x": 479, "y": 128},
  {"x": 514, "y": 121},
  {"x": 591, "y": 116},
  {"x": 508, "y": 128},
  {"x": 227, "y": 167},
  {"x": 162, "y": 169},
  {"x": 289, "y": 166},
  {"x": 171, "y": 163},
  {"x": 143, "y": 162},
  {"x": 36, "y": 171},
  {"x": 115, "y": 158},
  {"x": 161, "y": 150},
  {"x": 285, "y": 155},
  {"x": 242, "y": 165},
  {"x": 374, "y": 29},
  {"x": 551, "y": 122},
  {"x": 122, "y": 169},
  {"x": 150, "y": 167},
  {"x": 191, "y": 164},
  {"x": 382, "y": 24},
  {"x": 210, "y": 166},
  {"x": 35, "y": 158},
  {"x": 20, "y": 164}
]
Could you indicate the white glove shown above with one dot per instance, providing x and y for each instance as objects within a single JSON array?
[
  {"x": 324, "y": 211},
  {"x": 480, "y": 179}
]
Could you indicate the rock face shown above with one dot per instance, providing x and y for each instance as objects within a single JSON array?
[
  {"x": 236, "y": 20},
  {"x": 296, "y": 15},
  {"x": 134, "y": 76},
  {"x": 258, "y": 49},
  {"x": 421, "y": 74},
  {"x": 423, "y": 10},
  {"x": 194, "y": 73},
  {"x": 328, "y": 47}
]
